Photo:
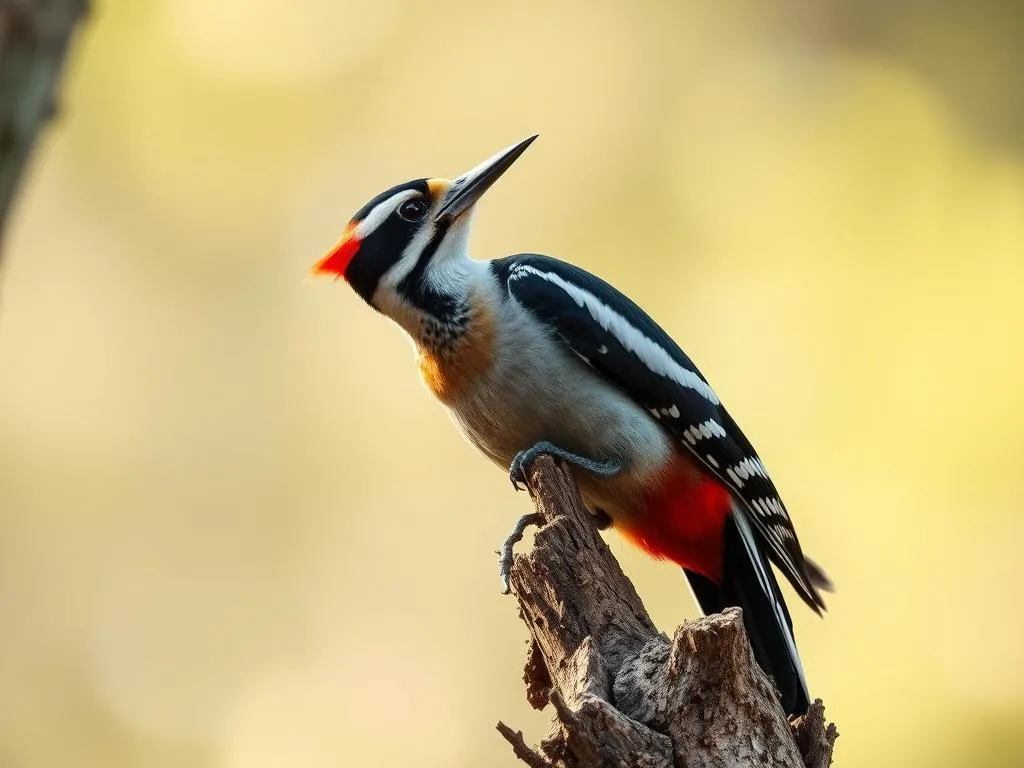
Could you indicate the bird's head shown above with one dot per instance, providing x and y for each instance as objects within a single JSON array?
[{"x": 394, "y": 250}]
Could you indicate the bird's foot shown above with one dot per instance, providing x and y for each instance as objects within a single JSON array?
[
  {"x": 523, "y": 460},
  {"x": 505, "y": 559}
]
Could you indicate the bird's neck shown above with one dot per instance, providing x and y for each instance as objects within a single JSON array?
[
  {"x": 438, "y": 311},
  {"x": 456, "y": 346},
  {"x": 442, "y": 322}
]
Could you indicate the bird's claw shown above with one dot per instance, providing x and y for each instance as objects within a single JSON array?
[
  {"x": 505, "y": 559},
  {"x": 518, "y": 469}
]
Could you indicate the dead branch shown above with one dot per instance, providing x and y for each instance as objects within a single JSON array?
[
  {"x": 624, "y": 694},
  {"x": 34, "y": 37}
]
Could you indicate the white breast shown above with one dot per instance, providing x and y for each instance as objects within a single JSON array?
[{"x": 537, "y": 389}]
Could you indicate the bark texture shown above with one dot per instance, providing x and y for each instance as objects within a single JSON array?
[
  {"x": 34, "y": 38},
  {"x": 624, "y": 694}
]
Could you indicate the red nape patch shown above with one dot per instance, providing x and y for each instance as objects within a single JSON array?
[
  {"x": 337, "y": 261},
  {"x": 683, "y": 520}
]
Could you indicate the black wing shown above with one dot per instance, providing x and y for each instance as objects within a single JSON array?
[{"x": 620, "y": 341}]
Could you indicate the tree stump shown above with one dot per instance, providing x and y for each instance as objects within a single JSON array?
[{"x": 624, "y": 694}]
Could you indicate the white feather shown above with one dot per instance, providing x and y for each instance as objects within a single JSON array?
[
  {"x": 381, "y": 211},
  {"x": 652, "y": 354},
  {"x": 750, "y": 544}
]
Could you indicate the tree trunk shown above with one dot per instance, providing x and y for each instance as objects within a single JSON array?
[
  {"x": 624, "y": 694},
  {"x": 34, "y": 38}
]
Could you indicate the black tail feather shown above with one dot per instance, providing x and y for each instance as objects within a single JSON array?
[{"x": 763, "y": 613}]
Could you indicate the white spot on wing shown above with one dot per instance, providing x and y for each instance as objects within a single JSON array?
[
  {"x": 652, "y": 354},
  {"x": 673, "y": 412},
  {"x": 712, "y": 461},
  {"x": 750, "y": 467},
  {"x": 708, "y": 429},
  {"x": 763, "y": 511},
  {"x": 734, "y": 478}
]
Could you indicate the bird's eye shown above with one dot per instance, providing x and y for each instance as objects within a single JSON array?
[{"x": 412, "y": 210}]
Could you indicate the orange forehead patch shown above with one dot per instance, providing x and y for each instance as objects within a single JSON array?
[
  {"x": 337, "y": 261},
  {"x": 438, "y": 187}
]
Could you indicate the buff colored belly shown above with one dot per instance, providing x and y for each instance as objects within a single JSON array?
[
  {"x": 507, "y": 387},
  {"x": 533, "y": 389}
]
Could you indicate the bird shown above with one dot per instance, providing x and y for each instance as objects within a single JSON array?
[{"x": 531, "y": 355}]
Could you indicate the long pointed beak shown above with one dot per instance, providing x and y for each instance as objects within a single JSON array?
[{"x": 467, "y": 188}]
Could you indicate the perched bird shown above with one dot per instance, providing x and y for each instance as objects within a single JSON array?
[{"x": 531, "y": 355}]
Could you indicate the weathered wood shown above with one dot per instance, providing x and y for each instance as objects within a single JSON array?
[
  {"x": 814, "y": 738},
  {"x": 623, "y": 693}
]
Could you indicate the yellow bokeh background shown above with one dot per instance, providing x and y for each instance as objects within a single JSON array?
[{"x": 228, "y": 508}]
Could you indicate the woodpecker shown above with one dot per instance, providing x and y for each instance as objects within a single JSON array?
[{"x": 531, "y": 355}]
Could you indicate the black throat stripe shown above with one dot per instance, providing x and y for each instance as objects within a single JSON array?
[{"x": 446, "y": 309}]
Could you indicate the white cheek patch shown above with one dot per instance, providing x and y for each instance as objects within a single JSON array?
[
  {"x": 446, "y": 272},
  {"x": 381, "y": 211},
  {"x": 409, "y": 257}
]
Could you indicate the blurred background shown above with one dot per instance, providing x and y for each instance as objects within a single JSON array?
[{"x": 227, "y": 505}]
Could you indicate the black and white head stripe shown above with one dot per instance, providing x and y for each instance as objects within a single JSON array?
[
  {"x": 621, "y": 342},
  {"x": 388, "y": 199},
  {"x": 403, "y": 263},
  {"x": 385, "y": 236},
  {"x": 380, "y": 212}
]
